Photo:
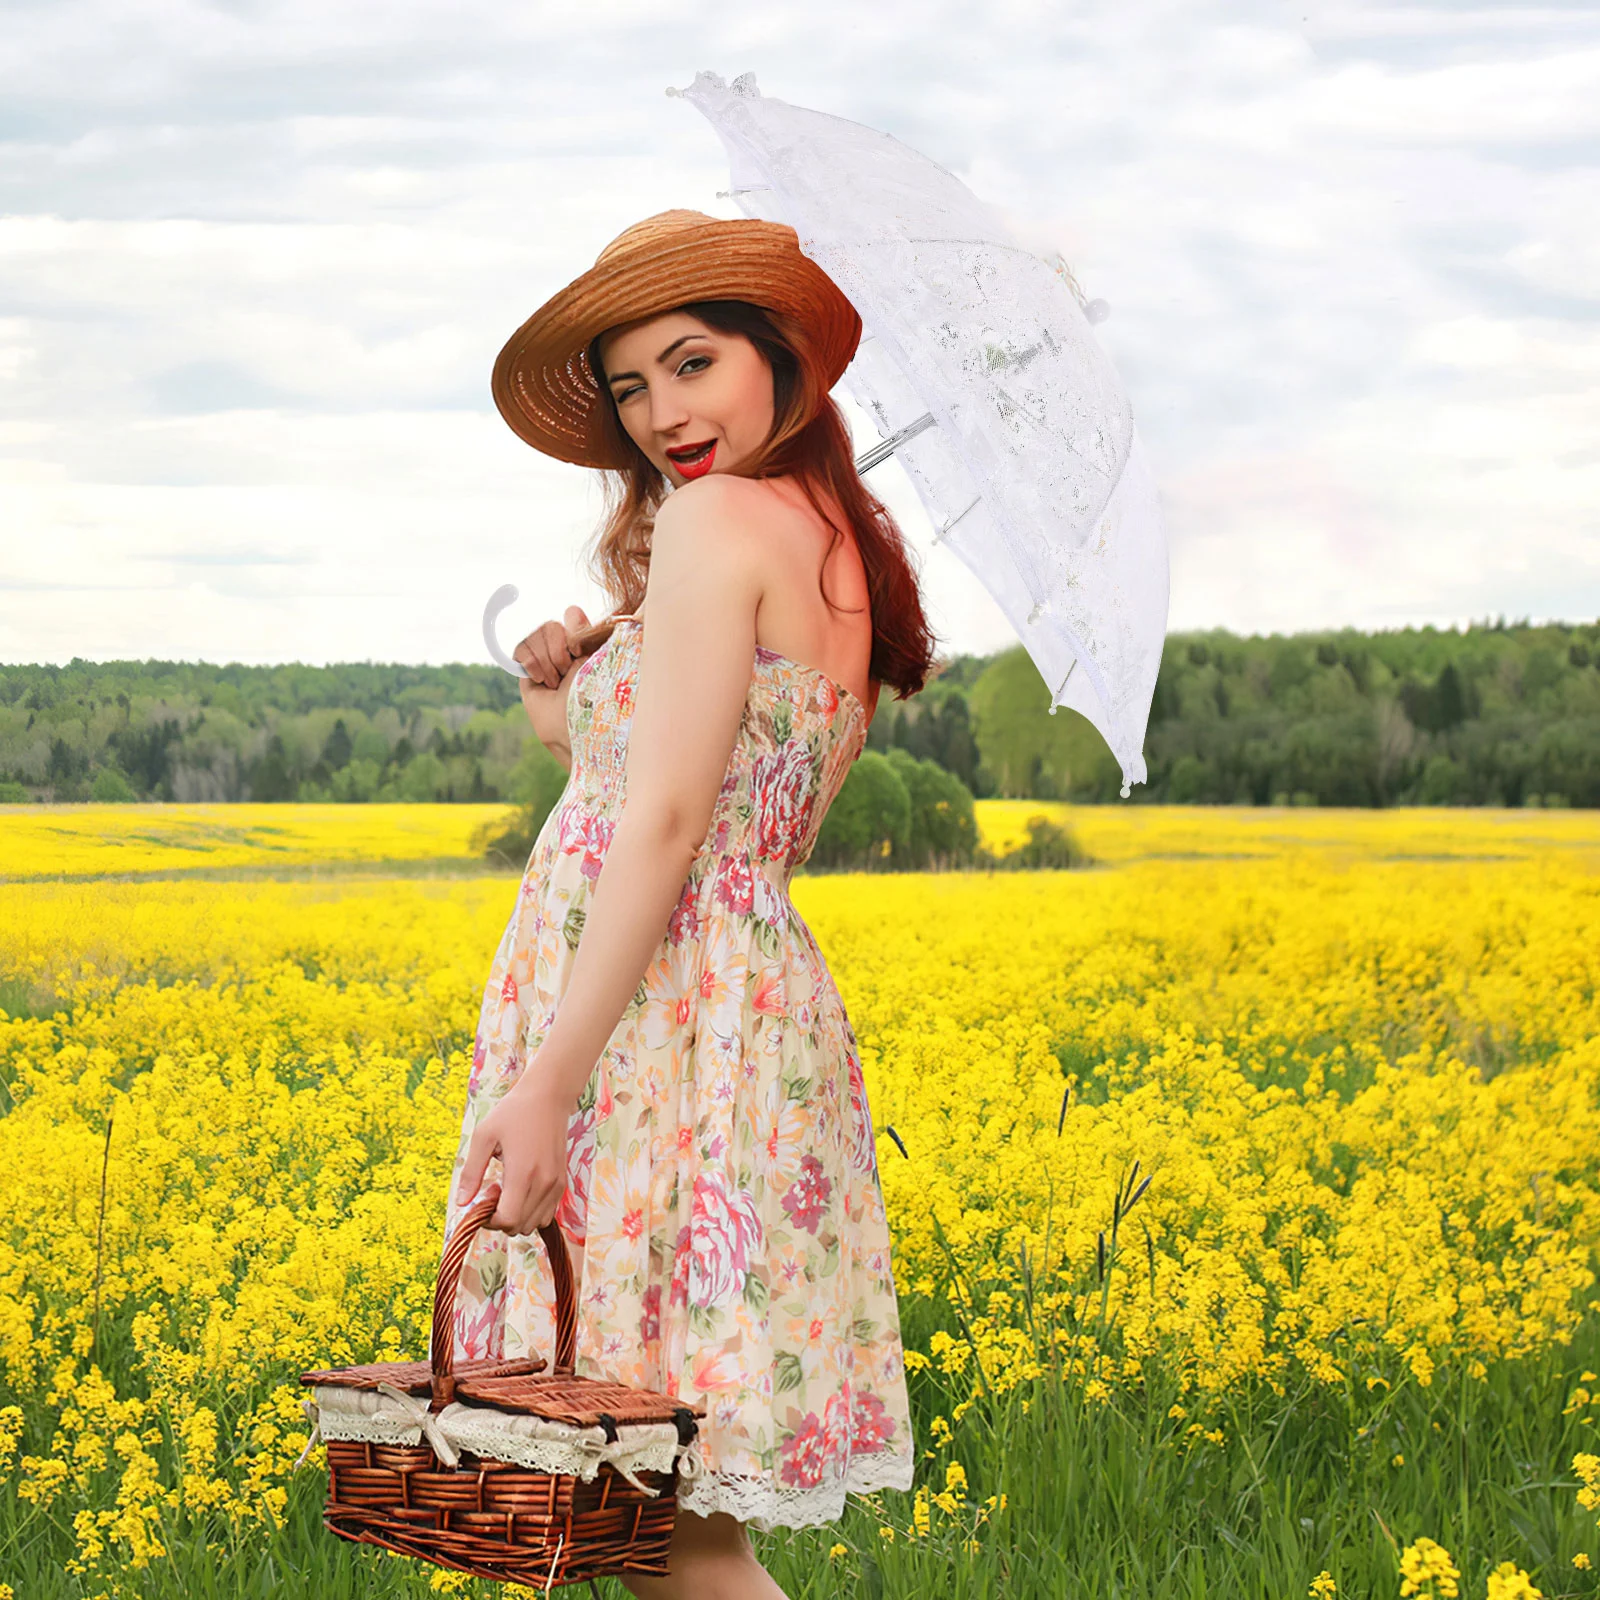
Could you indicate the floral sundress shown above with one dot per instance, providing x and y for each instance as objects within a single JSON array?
[{"x": 723, "y": 1206}]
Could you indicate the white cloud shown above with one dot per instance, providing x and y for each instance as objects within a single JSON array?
[{"x": 255, "y": 264}]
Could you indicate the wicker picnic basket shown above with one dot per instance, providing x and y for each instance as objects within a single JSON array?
[{"x": 507, "y": 1471}]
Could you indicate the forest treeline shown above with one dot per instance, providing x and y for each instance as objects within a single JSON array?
[{"x": 1497, "y": 714}]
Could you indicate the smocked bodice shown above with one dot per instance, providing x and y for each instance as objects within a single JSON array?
[{"x": 797, "y": 739}]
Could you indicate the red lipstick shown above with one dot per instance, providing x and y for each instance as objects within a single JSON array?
[{"x": 690, "y": 461}]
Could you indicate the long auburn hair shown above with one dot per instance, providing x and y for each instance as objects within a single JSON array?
[{"x": 810, "y": 441}]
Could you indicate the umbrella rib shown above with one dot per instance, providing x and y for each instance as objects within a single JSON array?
[
  {"x": 885, "y": 448},
  {"x": 950, "y": 522}
]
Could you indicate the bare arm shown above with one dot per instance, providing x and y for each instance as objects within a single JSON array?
[
  {"x": 547, "y": 711},
  {"x": 694, "y": 677}
]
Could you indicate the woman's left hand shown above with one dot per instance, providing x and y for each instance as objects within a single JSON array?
[{"x": 528, "y": 1131}]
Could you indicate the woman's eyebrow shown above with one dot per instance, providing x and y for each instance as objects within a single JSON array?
[{"x": 616, "y": 377}]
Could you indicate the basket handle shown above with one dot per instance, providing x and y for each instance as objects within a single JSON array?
[{"x": 442, "y": 1353}]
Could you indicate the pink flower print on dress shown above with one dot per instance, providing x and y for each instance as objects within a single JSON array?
[
  {"x": 803, "y": 1453},
  {"x": 733, "y": 885},
  {"x": 597, "y": 840},
  {"x": 863, "y": 1147},
  {"x": 572, "y": 829},
  {"x": 572, "y": 1210},
  {"x": 782, "y": 779},
  {"x": 836, "y": 1427},
  {"x": 871, "y": 1426},
  {"x": 684, "y": 924},
  {"x": 479, "y": 1326},
  {"x": 727, "y": 1229},
  {"x": 678, "y": 1293},
  {"x": 650, "y": 1320},
  {"x": 805, "y": 1198},
  {"x": 623, "y": 695},
  {"x": 768, "y": 902}
]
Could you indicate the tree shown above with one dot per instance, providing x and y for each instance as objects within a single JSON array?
[
  {"x": 337, "y": 747},
  {"x": 271, "y": 779},
  {"x": 944, "y": 826},
  {"x": 869, "y": 817},
  {"x": 1032, "y": 754}
]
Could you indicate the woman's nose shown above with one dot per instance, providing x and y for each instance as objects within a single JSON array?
[{"x": 666, "y": 411}]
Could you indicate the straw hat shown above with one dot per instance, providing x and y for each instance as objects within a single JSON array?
[{"x": 542, "y": 382}]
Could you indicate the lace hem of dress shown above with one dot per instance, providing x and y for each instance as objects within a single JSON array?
[{"x": 766, "y": 1505}]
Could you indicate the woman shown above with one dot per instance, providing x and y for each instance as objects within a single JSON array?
[{"x": 663, "y": 1063}]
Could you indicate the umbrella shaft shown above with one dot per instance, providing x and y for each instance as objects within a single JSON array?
[{"x": 887, "y": 447}]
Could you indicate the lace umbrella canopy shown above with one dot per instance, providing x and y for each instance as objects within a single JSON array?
[{"x": 980, "y": 368}]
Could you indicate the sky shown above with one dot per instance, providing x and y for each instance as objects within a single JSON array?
[{"x": 256, "y": 261}]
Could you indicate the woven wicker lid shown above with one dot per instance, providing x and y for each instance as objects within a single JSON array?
[{"x": 542, "y": 382}]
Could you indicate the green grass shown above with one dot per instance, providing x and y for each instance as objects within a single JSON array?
[{"x": 1103, "y": 1500}]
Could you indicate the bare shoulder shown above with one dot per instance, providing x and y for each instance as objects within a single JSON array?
[
  {"x": 718, "y": 498},
  {"x": 716, "y": 517}
]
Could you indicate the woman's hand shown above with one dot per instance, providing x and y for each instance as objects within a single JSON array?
[
  {"x": 546, "y": 654},
  {"x": 528, "y": 1131}
]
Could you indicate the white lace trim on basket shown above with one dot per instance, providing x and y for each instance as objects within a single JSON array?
[
  {"x": 767, "y": 1505},
  {"x": 387, "y": 1416}
]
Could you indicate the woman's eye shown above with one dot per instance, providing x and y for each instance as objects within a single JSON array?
[
  {"x": 638, "y": 388},
  {"x": 691, "y": 361}
]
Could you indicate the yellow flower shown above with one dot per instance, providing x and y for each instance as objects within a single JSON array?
[
  {"x": 1509, "y": 1582},
  {"x": 1399, "y": 1460},
  {"x": 1323, "y": 1586},
  {"x": 835, "y": 1551},
  {"x": 886, "y": 1533},
  {"x": 1425, "y": 1563},
  {"x": 1581, "y": 1562}
]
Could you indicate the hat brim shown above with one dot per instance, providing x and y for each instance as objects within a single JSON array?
[{"x": 542, "y": 382}]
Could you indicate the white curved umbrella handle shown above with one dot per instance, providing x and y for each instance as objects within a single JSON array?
[{"x": 504, "y": 596}]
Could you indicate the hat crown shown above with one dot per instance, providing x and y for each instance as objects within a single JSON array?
[{"x": 655, "y": 230}]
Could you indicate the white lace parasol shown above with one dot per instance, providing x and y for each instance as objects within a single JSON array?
[{"x": 979, "y": 365}]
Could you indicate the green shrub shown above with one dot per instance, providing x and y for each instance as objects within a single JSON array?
[
  {"x": 944, "y": 826},
  {"x": 110, "y": 787},
  {"x": 869, "y": 818}
]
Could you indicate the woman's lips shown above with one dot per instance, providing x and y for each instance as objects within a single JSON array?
[{"x": 689, "y": 463}]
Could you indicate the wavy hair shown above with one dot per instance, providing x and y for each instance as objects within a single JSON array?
[{"x": 810, "y": 441}]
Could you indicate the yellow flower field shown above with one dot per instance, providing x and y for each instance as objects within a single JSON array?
[
  {"x": 1358, "y": 1056},
  {"x": 38, "y": 842}
]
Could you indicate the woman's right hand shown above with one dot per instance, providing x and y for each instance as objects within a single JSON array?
[{"x": 546, "y": 654}]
